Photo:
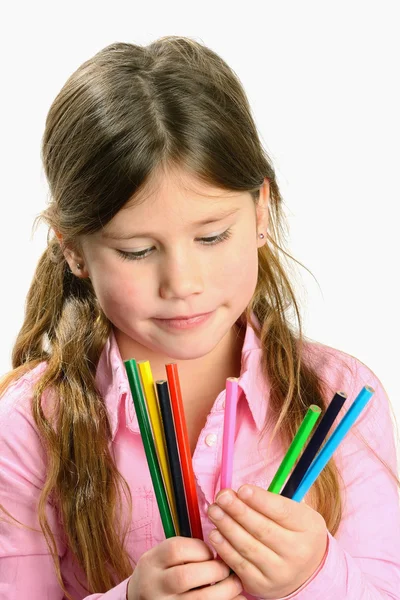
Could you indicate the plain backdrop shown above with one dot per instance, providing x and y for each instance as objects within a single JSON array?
[{"x": 322, "y": 81}]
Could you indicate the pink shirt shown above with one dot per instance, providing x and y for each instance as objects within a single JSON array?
[{"x": 363, "y": 558}]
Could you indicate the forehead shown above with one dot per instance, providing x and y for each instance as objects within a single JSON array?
[
  {"x": 175, "y": 185},
  {"x": 174, "y": 197}
]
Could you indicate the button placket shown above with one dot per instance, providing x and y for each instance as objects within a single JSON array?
[{"x": 205, "y": 457}]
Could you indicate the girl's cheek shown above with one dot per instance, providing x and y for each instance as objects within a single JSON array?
[{"x": 242, "y": 266}]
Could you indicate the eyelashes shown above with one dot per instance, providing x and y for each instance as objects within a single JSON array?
[{"x": 211, "y": 241}]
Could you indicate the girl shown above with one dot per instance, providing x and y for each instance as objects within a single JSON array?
[{"x": 164, "y": 206}]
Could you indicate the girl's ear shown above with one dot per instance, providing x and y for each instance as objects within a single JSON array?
[{"x": 73, "y": 258}]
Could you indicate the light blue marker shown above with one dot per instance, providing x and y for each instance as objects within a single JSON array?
[{"x": 333, "y": 442}]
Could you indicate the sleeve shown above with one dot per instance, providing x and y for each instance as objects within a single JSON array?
[
  {"x": 362, "y": 561},
  {"x": 26, "y": 565}
]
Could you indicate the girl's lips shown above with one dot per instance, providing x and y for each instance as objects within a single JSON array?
[{"x": 184, "y": 323}]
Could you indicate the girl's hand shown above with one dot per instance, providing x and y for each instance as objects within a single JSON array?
[
  {"x": 272, "y": 543},
  {"x": 174, "y": 568}
]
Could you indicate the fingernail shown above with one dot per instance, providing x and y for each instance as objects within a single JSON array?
[
  {"x": 225, "y": 499},
  {"x": 245, "y": 491}
]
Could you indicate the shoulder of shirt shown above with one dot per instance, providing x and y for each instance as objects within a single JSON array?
[
  {"x": 18, "y": 394},
  {"x": 331, "y": 364},
  {"x": 337, "y": 370},
  {"x": 341, "y": 371}
]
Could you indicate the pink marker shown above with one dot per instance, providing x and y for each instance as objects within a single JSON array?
[{"x": 229, "y": 431}]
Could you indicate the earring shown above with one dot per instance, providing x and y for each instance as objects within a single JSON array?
[
  {"x": 78, "y": 266},
  {"x": 261, "y": 235}
]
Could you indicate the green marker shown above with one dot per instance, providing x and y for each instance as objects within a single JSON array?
[{"x": 295, "y": 448}]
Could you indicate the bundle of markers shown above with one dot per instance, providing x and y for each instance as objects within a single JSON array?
[{"x": 160, "y": 414}]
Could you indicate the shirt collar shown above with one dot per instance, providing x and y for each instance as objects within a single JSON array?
[{"x": 113, "y": 385}]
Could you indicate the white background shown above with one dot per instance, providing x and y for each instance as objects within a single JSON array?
[{"x": 323, "y": 83}]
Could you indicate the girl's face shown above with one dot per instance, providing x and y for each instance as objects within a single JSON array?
[{"x": 176, "y": 271}]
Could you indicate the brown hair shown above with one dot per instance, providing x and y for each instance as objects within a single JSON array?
[{"x": 123, "y": 114}]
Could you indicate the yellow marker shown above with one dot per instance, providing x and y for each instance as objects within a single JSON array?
[{"x": 158, "y": 433}]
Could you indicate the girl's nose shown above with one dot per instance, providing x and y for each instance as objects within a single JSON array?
[{"x": 181, "y": 276}]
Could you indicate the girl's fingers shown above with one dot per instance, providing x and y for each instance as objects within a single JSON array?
[
  {"x": 178, "y": 551},
  {"x": 239, "y": 548},
  {"x": 249, "y": 560},
  {"x": 262, "y": 528},
  {"x": 283, "y": 511},
  {"x": 228, "y": 589},
  {"x": 182, "y": 578}
]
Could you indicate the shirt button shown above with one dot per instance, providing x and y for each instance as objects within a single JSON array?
[{"x": 211, "y": 439}]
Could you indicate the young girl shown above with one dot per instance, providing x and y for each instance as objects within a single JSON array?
[{"x": 164, "y": 206}]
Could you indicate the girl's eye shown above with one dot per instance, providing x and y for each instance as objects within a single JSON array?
[{"x": 206, "y": 241}]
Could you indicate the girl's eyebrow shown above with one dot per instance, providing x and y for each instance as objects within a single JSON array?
[{"x": 129, "y": 236}]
